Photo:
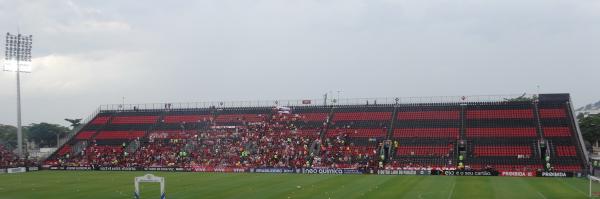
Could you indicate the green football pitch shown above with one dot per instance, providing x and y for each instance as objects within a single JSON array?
[{"x": 104, "y": 184}]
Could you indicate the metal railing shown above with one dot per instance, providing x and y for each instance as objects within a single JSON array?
[{"x": 313, "y": 102}]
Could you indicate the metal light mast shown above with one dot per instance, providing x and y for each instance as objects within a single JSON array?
[{"x": 18, "y": 59}]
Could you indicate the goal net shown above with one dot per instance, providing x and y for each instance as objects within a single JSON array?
[
  {"x": 594, "y": 187},
  {"x": 149, "y": 178}
]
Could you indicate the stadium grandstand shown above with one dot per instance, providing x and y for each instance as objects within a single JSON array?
[{"x": 523, "y": 134}]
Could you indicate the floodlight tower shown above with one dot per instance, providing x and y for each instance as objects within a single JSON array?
[{"x": 18, "y": 59}]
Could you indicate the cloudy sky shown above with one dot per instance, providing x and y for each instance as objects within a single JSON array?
[{"x": 89, "y": 53}]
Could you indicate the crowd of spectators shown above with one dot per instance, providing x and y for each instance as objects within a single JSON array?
[
  {"x": 268, "y": 143},
  {"x": 283, "y": 140},
  {"x": 222, "y": 139},
  {"x": 8, "y": 159}
]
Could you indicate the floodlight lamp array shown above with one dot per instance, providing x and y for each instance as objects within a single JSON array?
[{"x": 18, "y": 52}]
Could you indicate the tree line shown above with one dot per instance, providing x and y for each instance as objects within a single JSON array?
[
  {"x": 590, "y": 128},
  {"x": 42, "y": 134}
]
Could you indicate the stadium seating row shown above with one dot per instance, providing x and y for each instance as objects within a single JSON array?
[
  {"x": 502, "y": 150},
  {"x": 566, "y": 150},
  {"x": 500, "y": 114},
  {"x": 424, "y": 150}
]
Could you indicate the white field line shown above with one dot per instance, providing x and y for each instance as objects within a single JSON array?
[
  {"x": 544, "y": 197},
  {"x": 452, "y": 190}
]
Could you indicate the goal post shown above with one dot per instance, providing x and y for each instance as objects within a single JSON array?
[
  {"x": 149, "y": 178},
  {"x": 594, "y": 187}
]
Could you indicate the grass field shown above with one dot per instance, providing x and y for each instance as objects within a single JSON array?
[{"x": 104, "y": 184}]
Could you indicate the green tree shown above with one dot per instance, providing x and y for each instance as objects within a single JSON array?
[
  {"x": 590, "y": 128},
  {"x": 580, "y": 116},
  {"x": 8, "y": 135},
  {"x": 46, "y": 135}
]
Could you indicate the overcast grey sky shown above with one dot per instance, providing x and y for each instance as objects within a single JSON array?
[{"x": 89, "y": 53}]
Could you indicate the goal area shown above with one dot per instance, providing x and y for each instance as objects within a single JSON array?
[
  {"x": 594, "y": 187},
  {"x": 152, "y": 179}
]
